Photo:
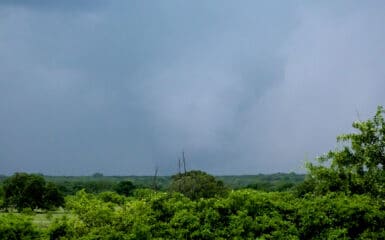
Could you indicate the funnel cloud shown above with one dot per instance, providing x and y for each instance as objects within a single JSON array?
[{"x": 120, "y": 87}]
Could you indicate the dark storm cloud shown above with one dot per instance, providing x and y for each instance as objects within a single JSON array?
[{"x": 121, "y": 87}]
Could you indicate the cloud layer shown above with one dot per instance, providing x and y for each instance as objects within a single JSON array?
[{"x": 120, "y": 87}]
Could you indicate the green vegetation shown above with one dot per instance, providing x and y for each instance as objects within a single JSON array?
[
  {"x": 69, "y": 185},
  {"x": 125, "y": 188},
  {"x": 17, "y": 227},
  {"x": 243, "y": 214},
  {"x": 24, "y": 190},
  {"x": 341, "y": 198},
  {"x": 197, "y": 184},
  {"x": 358, "y": 167}
]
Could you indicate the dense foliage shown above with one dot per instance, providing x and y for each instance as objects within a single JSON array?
[
  {"x": 243, "y": 214},
  {"x": 98, "y": 183},
  {"x": 14, "y": 227},
  {"x": 356, "y": 168},
  {"x": 24, "y": 190},
  {"x": 125, "y": 188},
  {"x": 264, "y": 182},
  {"x": 197, "y": 184}
]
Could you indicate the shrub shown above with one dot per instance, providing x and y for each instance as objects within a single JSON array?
[{"x": 16, "y": 227}]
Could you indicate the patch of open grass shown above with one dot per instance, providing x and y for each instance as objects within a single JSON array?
[{"x": 42, "y": 219}]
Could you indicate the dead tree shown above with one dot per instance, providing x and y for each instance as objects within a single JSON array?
[
  {"x": 154, "y": 180},
  {"x": 184, "y": 162},
  {"x": 179, "y": 166}
]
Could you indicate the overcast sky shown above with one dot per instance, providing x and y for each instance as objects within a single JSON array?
[{"x": 243, "y": 87}]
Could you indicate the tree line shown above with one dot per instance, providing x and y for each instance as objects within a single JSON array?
[{"x": 340, "y": 198}]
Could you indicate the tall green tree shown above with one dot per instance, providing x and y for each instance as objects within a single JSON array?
[{"x": 356, "y": 167}]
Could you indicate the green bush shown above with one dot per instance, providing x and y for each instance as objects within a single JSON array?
[
  {"x": 243, "y": 214},
  {"x": 338, "y": 215},
  {"x": 197, "y": 184},
  {"x": 17, "y": 227},
  {"x": 112, "y": 197},
  {"x": 125, "y": 188}
]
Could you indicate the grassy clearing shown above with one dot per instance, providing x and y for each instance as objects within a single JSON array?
[
  {"x": 41, "y": 219},
  {"x": 44, "y": 220}
]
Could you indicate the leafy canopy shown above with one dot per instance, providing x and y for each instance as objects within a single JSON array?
[
  {"x": 197, "y": 184},
  {"x": 125, "y": 188},
  {"x": 357, "y": 167},
  {"x": 24, "y": 190}
]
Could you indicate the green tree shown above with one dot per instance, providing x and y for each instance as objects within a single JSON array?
[
  {"x": 52, "y": 197},
  {"x": 197, "y": 184},
  {"x": 125, "y": 188},
  {"x": 357, "y": 167},
  {"x": 24, "y": 190}
]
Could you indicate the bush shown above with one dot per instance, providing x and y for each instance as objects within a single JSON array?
[
  {"x": 336, "y": 216},
  {"x": 112, "y": 197},
  {"x": 242, "y": 214},
  {"x": 14, "y": 227},
  {"x": 125, "y": 188},
  {"x": 197, "y": 184}
]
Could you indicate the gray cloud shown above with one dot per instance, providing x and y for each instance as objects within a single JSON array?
[
  {"x": 243, "y": 88},
  {"x": 68, "y": 5},
  {"x": 333, "y": 70}
]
